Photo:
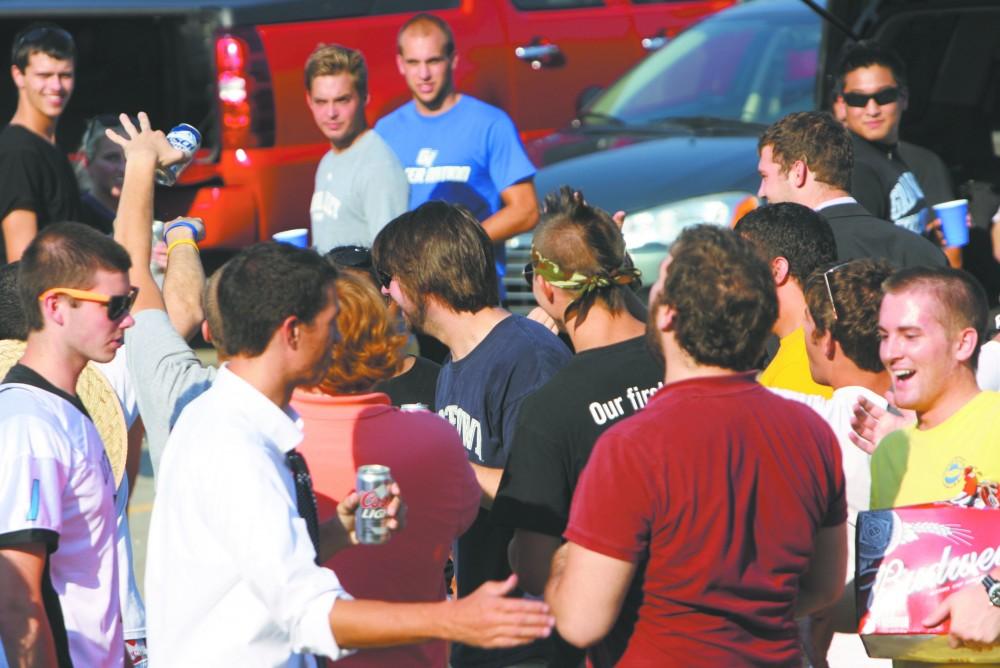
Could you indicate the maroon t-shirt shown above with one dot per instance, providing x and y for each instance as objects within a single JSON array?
[{"x": 716, "y": 490}]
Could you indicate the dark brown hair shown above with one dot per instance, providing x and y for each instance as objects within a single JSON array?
[
  {"x": 856, "y": 291},
  {"x": 65, "y": 255},
  {"x": 581, "y": 238},
  {"x": 439, "y": 250},
  {"x": 724, "y": 298},
  {"x": 818, "y": 140}
]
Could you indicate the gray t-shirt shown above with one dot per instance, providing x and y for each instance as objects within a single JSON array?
[
  {"x": 357, "y": 192},
  {"x": 166, "y": 373}
]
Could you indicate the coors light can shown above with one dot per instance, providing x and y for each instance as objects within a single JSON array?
[
  {"x": 187, "y": 139},
  {"x": 370, "y": 517}
]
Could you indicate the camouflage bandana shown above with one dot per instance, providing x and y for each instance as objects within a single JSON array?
[{"x": 587, "y": 285}]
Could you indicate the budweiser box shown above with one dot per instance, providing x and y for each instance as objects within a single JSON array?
[{"x": 909, "y": 560}]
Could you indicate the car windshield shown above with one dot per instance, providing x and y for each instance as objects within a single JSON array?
[{"x": 747, "y": 69}]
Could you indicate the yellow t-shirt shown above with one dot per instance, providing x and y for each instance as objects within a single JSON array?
[
  {"x": 789, "y": 370},
  {"x": 912, "y": 466}
]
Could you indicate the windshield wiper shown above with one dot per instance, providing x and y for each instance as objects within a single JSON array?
[
  {"x": 609, "y": 119},
  {"x": 708, "y": 123}
]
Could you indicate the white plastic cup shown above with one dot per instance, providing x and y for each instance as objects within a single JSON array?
[
  {"x": 297, "y": 237},
  {"x": 952, "y": 215}
]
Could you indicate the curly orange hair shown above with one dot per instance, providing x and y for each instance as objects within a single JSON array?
[{"x": 369, "y": 348}]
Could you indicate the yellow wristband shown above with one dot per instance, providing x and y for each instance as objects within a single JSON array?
[{"x": 179, "y": 242}]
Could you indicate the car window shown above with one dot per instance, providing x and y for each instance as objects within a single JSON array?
[
  {"x": 531, "y": 5},
  {"x": 410, "y": 6},
  {"x": 750, "y": 70}
]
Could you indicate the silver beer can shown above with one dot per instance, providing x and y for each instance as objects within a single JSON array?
[
  {"x": 371, "y": 516},
  {"x": 187, "y": 139}
]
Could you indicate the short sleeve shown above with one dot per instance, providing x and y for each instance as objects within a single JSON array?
[
  {"x": 534, "y": 492},
  {"x": 508, "y": 162},
  {"x": 615, "y": 501},
  {"x": 34, "y": 471},
  {"x": 21, "y": 175}
]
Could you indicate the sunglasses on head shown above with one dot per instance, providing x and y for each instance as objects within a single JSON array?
[
  {"x": 118, "y": 305},
  {"x": 884, "y": 96},
  {"x": 829, "y": 290},
  {"x": 357, "y": 257}
]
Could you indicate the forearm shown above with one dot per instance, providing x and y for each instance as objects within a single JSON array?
[
  {"x": 26, "y": 637},
  {"x": 510, "y": 221},
  {"x": 134, "y": 227},
  {"x": 361, "y": 624},
  {"x": 183, "y": 285},
  {"x": 489, "y": 482}
]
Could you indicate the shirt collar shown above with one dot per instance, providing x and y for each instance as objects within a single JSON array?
[
  {"x": 282, "y": 428},
  {"x": 835, "y": 201}
]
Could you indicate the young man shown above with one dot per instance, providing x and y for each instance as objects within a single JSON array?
[
  {"x": 842, "y": 343},
  {"x": 454, "y": 147},
  {"x": 360, "y": 185},
  {"x": 931, "y": 323},
  {"x": 871, "y": 90},
  {"x": 729, "y": 551},
  {"x": 436, "y": 262},
  {"x": 794, "y": 241},
  {"x": 581, "y": 280},
  {"x": 231, "y": 574},
  {"x": 37, "y": 183},
  {"x": 58, "y": 570},
  {"x": 806, "y": 158}
]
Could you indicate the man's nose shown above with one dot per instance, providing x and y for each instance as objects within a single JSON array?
[{"x": 873, "y": 107}]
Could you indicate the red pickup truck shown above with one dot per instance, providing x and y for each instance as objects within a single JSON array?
[{"x": 233, "y": 68}]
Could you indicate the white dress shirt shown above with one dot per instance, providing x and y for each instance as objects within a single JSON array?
[{"x": 230, "y": 575}]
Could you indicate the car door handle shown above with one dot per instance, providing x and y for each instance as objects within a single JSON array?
[
  {"x": 540, "y": 54},
  {"x": 655, "y": 42}
]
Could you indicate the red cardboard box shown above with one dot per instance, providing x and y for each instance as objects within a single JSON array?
[{"x": 909, "y": 560}]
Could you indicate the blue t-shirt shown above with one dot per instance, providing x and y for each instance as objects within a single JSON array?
[
  {"x": 481, "y": 395},
  {"x": 467, "y": 155}
]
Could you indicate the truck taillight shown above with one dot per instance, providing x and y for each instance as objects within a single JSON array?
[{"x": 243, "y": 83}]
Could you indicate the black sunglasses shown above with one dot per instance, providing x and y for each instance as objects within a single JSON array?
[
  {"x": 884, "y": 96},
  {"x": 529, "y": 274},
  {"x": 384, "y": 279}
]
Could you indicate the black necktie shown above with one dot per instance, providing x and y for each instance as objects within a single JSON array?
[{"x": 305, "y": 498}]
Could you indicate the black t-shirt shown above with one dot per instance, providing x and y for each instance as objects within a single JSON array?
[
  {"x": 35, "y": 175},
  {"x": 416, "y": 386},
  {"x": 886, "y": 186},
  {"x": 558, "y": 426}
]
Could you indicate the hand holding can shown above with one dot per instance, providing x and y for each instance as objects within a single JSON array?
[{"x": 379, "y": 508}]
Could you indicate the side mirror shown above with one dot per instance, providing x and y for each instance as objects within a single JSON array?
[{"x": 587, "y": 96}]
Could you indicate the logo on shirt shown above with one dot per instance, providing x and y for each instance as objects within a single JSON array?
[
  {"x": 903, "y": 197},
  {"x": 602, "y": 412},
  {"x": 325, "y": 205},
  {"x": 35, "y": 501},
  {"x": 976, "y": 492},
  {"x": 468, "y": 428},
  {"x": 426, "y": 173}
]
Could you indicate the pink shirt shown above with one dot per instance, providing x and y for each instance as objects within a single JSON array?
[{"x": 428, "y": 461}]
